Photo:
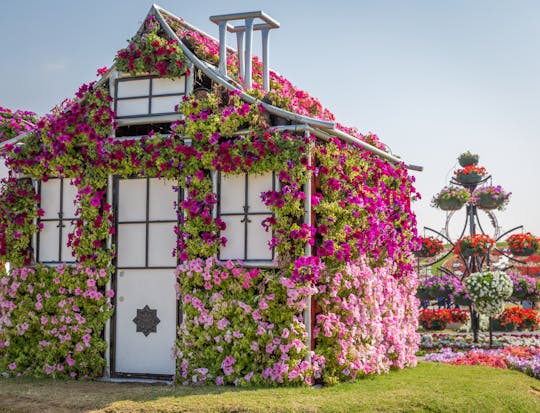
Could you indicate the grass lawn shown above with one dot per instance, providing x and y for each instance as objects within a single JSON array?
[{"x": 430, "y": 387}]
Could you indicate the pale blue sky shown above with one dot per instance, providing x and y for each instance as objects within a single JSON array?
[{"x": 431, "y": 78}]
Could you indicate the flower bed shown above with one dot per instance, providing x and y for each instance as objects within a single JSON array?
[
  {"x": 430, "y": 342},
  {"x": 525, "y": 359},
  {"x": 432, "y": 319},
  {"x": 519, "y": 318}
]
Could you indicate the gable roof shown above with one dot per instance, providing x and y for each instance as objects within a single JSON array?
[{"x": 305, "y": 112}]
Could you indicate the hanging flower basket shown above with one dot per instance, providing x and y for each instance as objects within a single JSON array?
[
  {"x": 523, "y": 245},
  {"x": 490, "y": 197},
  {"x": 430, "y": 247},
  {"x": 467, "y": 159},
  {"x": 489, "y": 290},
  {"x": 470, "y": 174},
  {"x": 451, "y": 198},
  {"x": 474, "y": 245}
]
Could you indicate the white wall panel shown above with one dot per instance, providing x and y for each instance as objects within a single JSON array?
[
  {"x": 132, "y": 200},
  {"x": 235, "y": 238},
  {"x": 67, "y": 251},
  {"x": 70, "y": 193},
  {"x": 232, "y": 193},
  {"x": 131, "y": 245},
  {"x": 132, "y": 107},
  {"x": 162, "y": 86},
  {"x": 50, "y": 198},
  {"x": 48, "y": 242},
  {"x": 164, "y": 104},
  {"x": 130, "y": 88},
  {"x": 135, "y": 352},
  {"x": 162, "y": 200},
  {"x": 258, "y": 238},
  {"x": 256, "y": 185},
  {"x": 161, "y": 243}
]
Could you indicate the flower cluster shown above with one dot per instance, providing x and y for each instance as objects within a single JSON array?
[
  {"x": 488, "y": 290},
  {"x": 471, "y": 170},
  {"x": 13, "y": 123},
  {"x": 450, "y": 198},
  {"x": 525, "y": 287},
  {"x": 491, "y": 197},
  {"x": 438, "y": 319},
  {"x": 431, "y": 246},
  {"x": 477, "y": 245},
  {"x": 432, "y": 342},
  {"x": 523, "y": 244},
  {"x": 525, "y": 359},
  {"x": 150, "y": 53},
  {"x": 52, "y": 319},
  {"x": 520, "y": 318},
  {"x": 437, "y": 286},
  {"x": 468, "y": 158}
]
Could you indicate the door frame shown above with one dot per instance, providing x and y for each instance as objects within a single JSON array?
[{"x": 114, "y": 282}]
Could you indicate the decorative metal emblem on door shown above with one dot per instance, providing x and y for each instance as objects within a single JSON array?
[{"x": 146, "y": 320}]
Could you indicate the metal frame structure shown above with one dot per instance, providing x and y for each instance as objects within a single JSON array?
[
  {"x": 245, "y": 214},
  {"x": 472, "y": 263}
]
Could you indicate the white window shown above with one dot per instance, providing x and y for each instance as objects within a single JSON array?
[
  {"x": 145, "y": 223},
  {"x": 147, "y": 96},
  {"x": 58, "y": 221},
  {"x": 242, "y": 210}
]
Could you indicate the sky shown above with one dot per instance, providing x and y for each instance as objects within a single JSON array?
[{"x": 432, "y": 79}]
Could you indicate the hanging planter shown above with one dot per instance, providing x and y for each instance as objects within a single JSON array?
[
  {"x": 490, "y": 197},
  {"x": 474, "y": 245},
  {"x": 451, "y": 198},
  {"x": 470, "y": 174},
  {"x": 467, "y": 159},
  {"x": 523, "y": 245},
  {"x": 430, "y": 247}
]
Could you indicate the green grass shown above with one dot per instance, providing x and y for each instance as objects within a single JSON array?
[{"x": 430, "y": 387}]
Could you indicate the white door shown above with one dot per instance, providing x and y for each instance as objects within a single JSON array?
[{"x": 146, "y": 316}]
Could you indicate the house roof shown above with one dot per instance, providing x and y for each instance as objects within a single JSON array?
[{"x": 304, "y": 111}]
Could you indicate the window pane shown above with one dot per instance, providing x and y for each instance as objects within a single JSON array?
[
  {"x": 67, "y": 251},
  {"x": 234, "y": 233},
  {"x": 129, "y": 88},
  {"x": 132, "y": 107},
  {"x": 131, "y": 245},
  {"x": 162, "y": 200},
  {"x": 132, "y": 200},
  {"x": 162, "y": 85},
  {"x": 70, "y": 193},
  {"x": 257, "y": 239},
  {"x": 48, "y": 242},
  {"x": 232, "y": 193},
  {"x": 165, "y": 104},
  {"x": 161, "y": 243},
  {"x": 50, "y": 198},
  {"x": 256, "y": 185}
]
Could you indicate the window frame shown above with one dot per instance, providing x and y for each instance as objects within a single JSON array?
[
  {"x": 146, "y": 222},
  {"x": 61, "y": 219},
  {"x": 149, "y": 97},
  {"x": 245, "y": 220}
]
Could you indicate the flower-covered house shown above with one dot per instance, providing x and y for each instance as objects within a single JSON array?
[{"x": 193, "y": 214}]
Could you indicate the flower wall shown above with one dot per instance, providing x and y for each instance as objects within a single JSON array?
[{"x": 240, "y": 325}]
